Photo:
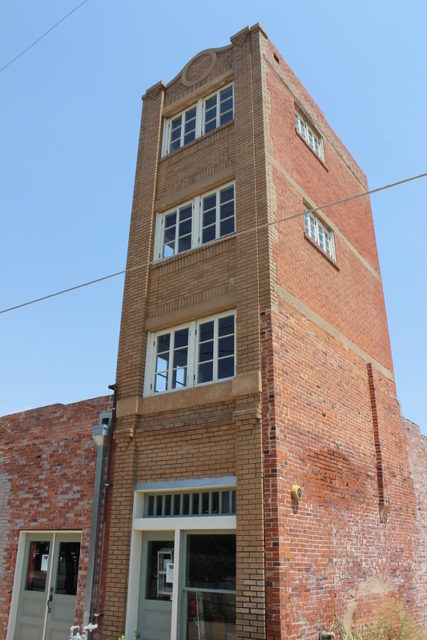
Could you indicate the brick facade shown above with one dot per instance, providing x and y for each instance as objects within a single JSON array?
[
  {"x": 314, "y": 399},
  {"x": 47, "y": 471},
  {"x": 417, "y": 450},
  {"x": 330, "y": 395}
]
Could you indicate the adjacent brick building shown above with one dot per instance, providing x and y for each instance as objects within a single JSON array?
[
  {"x": 254, "y": 359},
  {"x": 47, "y": 477}
]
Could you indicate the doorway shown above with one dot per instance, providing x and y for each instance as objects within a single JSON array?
[
  {"x": 156, "y": 585},
  {"x": 48, "y": 586}
]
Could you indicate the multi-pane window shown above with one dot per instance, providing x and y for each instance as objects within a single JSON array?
[
  {"x": 317, "y": 231},
  {"x": 307, "y": 132},
  {"x": 218, "y": 109},
  {"x": 190, "y": 503},
  {"x": 218, "y": 214},
  {"x": 177, "y": 230},
  {"x": 204, "y": 219},
  {"x": 215, "y": 357},
  {"x": 171, "y": 360},
  {"x": 198, "y": 353},
  {"x": 183, "y": 129},
  {"x": 204, "y": 116}
]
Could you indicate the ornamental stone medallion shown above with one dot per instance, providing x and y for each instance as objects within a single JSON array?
[{"x": 198, "y": 68}]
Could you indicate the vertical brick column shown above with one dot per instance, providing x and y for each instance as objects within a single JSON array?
[
  {"x": 249, "y": 212},
  {"x": 271, "y": 446},
  {"x": 131, "y": 357},
  {"x": 250, "y": 599},
  {"x": 120, "y": 524},
  {"x": 131, "y": 361},
  {"x": 251, "y": 277}
]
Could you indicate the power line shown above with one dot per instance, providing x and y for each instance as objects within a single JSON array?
[
  {"x": 30, "y": 46},
  {"x": 239, "y": 233}
]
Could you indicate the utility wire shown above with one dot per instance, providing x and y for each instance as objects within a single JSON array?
[
  {"x": 239, "y": 233},
  {"x": 30, "y": 46}
]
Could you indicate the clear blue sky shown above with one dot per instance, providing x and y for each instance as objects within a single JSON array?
[{"x": 69, "y": 120}]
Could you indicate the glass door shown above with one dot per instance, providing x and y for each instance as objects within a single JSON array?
[
  {"x": 61, "y": 602},
  {"x": 47, "y": 598},
  {"x": 31, "y": 618},
  {"x": 156, "y": 585}
]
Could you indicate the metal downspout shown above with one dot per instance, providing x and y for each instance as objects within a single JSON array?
[{"x": 102, "y": 436}]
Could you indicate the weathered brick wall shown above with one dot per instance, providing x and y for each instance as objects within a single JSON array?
[
  {"x": 331, "y": 417},
  {"x": 417, "y": 455},
  {"x": 335, "y": 552},
  {"x": 47, "y": 471},
  {"x": 349, "y": 296}
]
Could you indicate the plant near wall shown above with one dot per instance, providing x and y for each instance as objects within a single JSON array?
[
  {"x": 136, "y": 636},
  {"x": 394, "y": 623}
]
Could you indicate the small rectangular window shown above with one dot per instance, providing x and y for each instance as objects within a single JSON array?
[
  {"x": 206, "y": 115},
  {"x": 309, "y": 134},
  {"x": 318, "y": 232},
  {"x": 208, "y": 502}
]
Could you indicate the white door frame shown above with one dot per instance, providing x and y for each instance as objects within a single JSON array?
[
  {"x": 19, "y": 573},
  {"x": 178, "y": 525}
]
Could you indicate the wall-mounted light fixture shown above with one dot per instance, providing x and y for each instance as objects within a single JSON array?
[{"x": 296, "y": 492}]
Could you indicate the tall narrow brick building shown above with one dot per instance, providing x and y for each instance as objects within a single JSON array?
[{"x": 261, "y": 481}]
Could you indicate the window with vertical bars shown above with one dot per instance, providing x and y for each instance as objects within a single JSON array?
[{"x": 212, "y": 502}]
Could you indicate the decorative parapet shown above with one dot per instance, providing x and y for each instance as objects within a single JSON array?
[
  {"x": 153, "y": 92},
  {"x": 199, "y": 67}
]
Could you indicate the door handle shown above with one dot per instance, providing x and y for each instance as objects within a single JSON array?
[{"x": 49, "y": 601}]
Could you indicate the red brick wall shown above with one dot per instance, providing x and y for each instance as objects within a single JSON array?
[
  {"x": 417, "y": 456},
  {"x": 47, "y": 471},
  {"x": 331, "y": 417},
  {"x": 350, "y": 296},
  {"x": 332, "y": 553}
]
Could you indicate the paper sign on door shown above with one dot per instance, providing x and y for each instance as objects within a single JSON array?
[
  {"x": 45, "y": 562},
  {"x": 169, "y": 572}
]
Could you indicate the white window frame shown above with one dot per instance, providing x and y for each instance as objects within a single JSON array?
[
  {"x": 181, "y": 526},
  {"x": 218, "y": 107},
  {"x": 309, "y": 135},
  {"x": 316, "y": 230},
  {"x": 160, "y": 228},
  {"x": 192, "y": 355},
  {"x": 200, "y": 120},
  {"x": 197, "y": 222}
]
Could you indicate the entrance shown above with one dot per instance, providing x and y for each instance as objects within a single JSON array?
[
  {"x": 182, "y": 566},
  {"x": 156, "y": 588},
  {"x": 47, "y": 596},
  {"x": 206, "y": 572}
]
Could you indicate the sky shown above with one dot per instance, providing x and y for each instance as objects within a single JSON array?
[{"x": 69, "y": 124}]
